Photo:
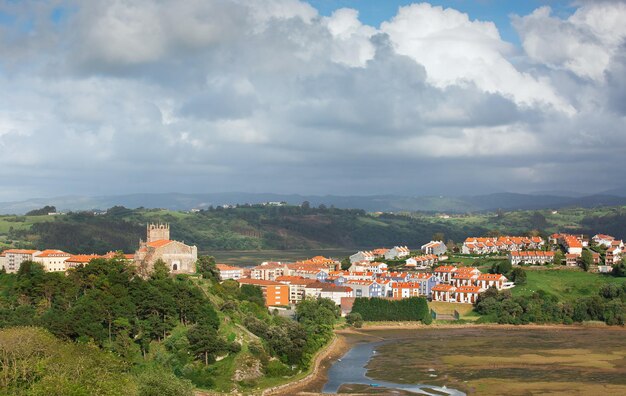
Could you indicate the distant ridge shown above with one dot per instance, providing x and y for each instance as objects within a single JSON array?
[{"x": 373, "y": 203}]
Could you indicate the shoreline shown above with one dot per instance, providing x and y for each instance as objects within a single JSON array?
[
  {"x": 322, "y": 362},
  {"x": 346, "y": 338},
  {"x": 418, "y": 325}
]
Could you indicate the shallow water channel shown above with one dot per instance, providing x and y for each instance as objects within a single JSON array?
[{"x": 351, "y": 369}]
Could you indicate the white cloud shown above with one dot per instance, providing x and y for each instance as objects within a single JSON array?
[
  {"x": 351, "y": 44},
  {"x": 457, "y": 51},
  {"x": 583, "y": 43}
]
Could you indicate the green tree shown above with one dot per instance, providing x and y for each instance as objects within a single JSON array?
[
  {"x": 43, "y": 211},
  {"x": 206, "y": 267},
  {"x": 619, "y": 269},
  {"x": 518, "y": 275},
  {"x": 559, "y": 257},
  {"x": 155, "y": 382},
  {"x": 354, "y": 320},
  {"x": 501, "y": 267},
  {"x": 204, "y": 342},
  {"x": 160, "y": 270},
  {"x": 586, "y": 260},
  {"x": 438, "y": 236}
]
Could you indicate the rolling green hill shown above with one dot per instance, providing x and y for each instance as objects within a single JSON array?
[{"x": 257, "y": 227}]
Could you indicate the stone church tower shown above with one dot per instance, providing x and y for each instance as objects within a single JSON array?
[
  {"x": 157, "y": 232},
  {"x": 180, "y": 258}
]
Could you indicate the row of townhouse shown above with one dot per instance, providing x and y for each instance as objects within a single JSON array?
[
  {"x": 272, "y": 270},
  {"x": 52, "y": 260},
  {"x": 424, "y": 261},
  {"x": 341, "y": 284},
  {"x": 574, "y": 244},
  {"x": 461, "y": 294},
  {"x": 488, "y": 245},
  {"x": 531, "y": 257},
  {"x": 327, "y": 290},
  {"x": 298, "y": 284},
  {"x": 368, "y": 266},
  {"x": 470, "y": 276},
  {"x": 397, "y": 252}
]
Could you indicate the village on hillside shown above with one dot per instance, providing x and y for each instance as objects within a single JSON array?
[{"x": 431, "y": 271}]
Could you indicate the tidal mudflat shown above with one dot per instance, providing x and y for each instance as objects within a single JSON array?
[{"x": 484, "y": 361}]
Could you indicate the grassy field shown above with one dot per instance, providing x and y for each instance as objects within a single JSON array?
[
  {"x": 520, "y": 221},
  {"x": 18, "y": 223},
  {"x": 565, "y": 284}
]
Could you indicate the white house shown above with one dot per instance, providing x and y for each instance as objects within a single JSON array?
[
  {"x": 468, "y": 294},
  {"x": 443, "y": 292},
  {"x": 602, "y": 239},
  {"x": 485, "y": 281},
  {"x": 445, "y": 273},
  {"x": 269, "y": 271},
  {"x": 362, "y": 256},
  {"x": 397, "y": 252},
  {"x": 52, "y": 260},
  {"x": 327, "y": 290},
  {"x": 434, "y": 247},
  {"x": 229, "y": 272},
  {"x": 427, "y": 260},
  {"x": 13, "y": 258},
  {"x": 367, "y": 266}
]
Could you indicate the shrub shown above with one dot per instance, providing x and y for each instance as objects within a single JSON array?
[{"x": 276, "y": 368}]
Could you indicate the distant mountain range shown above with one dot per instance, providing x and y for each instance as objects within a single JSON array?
[{"x": 373, "y": 203}]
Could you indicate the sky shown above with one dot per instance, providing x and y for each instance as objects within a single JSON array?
[{"x": 341, "y": 97}]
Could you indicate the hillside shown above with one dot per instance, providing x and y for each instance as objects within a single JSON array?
[
  {"x": 290, "y": 227},
  {"x": 244, "y": 228},
  {"x": 102, "y": 330},
  {"x": 370, "y": 203}
]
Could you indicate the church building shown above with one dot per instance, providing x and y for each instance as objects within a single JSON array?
[{"x": 180, "y": 258}]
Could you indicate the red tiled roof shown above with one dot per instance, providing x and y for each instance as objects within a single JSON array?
[
  {"x": 468, "y": 289},
  {"x": 20, "y": 251},
  {"x": 294, "y": 280},
  {"x": 82, "y": 258},
  {"x": 159, "y": 243},
  {"x": 259, "y": 282},
  {"x": 445, "y": 268},
  {"x": 53, "y": 253},
  {"x": 488, "y": 277},
  {"x": 324, "y": 286},
  {"x": 224, "y": 267}
]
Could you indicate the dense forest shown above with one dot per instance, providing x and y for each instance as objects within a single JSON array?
[
  {"x": 254, "y": 227},
  {"x": 121, "y": 331}
]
